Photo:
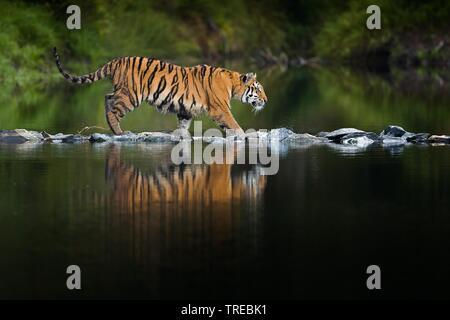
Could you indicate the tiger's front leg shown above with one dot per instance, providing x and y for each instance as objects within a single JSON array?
[
  {"x": 184, "y": 122},
  {"x": 225, "y": 120}
]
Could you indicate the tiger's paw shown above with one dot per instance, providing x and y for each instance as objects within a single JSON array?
[
  {"x": 122, "y": 133},
  {"x": 239, "y": 134},
  {"x": 182, "y": 134}
]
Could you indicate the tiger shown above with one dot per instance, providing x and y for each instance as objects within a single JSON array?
[{"x": 184, "y": 91}]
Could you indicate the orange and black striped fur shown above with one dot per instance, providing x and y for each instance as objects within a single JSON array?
[{"x": 185, "y": 91}]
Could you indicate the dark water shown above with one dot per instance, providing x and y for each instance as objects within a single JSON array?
[{"x": 139, "y": 226}]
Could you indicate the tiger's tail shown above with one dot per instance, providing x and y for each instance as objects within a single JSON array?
[{"x": 100, "y": 73}]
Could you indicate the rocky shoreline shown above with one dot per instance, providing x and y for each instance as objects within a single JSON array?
[{"x": 391, "y": 136}]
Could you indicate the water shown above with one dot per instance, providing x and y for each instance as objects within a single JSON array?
[{"x": 140, "y": 227}]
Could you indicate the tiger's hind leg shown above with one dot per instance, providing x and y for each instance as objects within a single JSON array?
[{"x": 116, "y": 107}]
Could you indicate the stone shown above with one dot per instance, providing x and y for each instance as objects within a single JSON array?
[
  {"x": 336, "y": 135},
  {"x": 20, "y": 136},
  {"x": 56, "y": 137},
  {"x": 306, "y": 138},
  {"x": 11, "y": 136},
  {"x": 418, "y": 138},
  {"x": 359, "y": 135},
  {"x": 393, "y": 131},
  {"x": 100, "y": 137},
  {"x": 280, "y": 134},
  {"x": 360, "y": 139},
  {"x": 439, "y": 139},
  {"x": 322, "y": 134}
]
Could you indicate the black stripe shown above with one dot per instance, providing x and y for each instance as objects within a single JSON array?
[
  {"x": 203, "y": 71},
  {"x": 161, "y": 86},
  {"x": 151, "y": 78},
  {"x": 210, "y": 76},
  {"x": 172, "y": 93},
  {"x": 193, "y": 102},
  {"x": 133, "y": 84},
  {"x": 183, "y": 73},
  {"x": 175, "y": 79}
]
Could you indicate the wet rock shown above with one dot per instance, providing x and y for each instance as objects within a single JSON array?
[
  {"x": 393, "y": 131},
  {"x": 360, "y": 139},
  {"x": 255, "y": 136},
  {"x": 20, "y": 136},
  {"x": 439, "y": 139},
  {"x": 306, "y": 138},
  {"x": 418, "y": 138},
  {"x": 336, "y": 135},
  {"x": 59, "y": 137},
  {"x": 322, "y": 134},
  {"x": 280, "y": 134},
  {"x": 11, "y": 136},
  {"x": 347, "y": 137},
  {"x": 100, "y": 137},
  {"x": 213, "y": 139},
  {"x": 158, "y": 137},
  {"x": 396, "y": 132},
  {"x": 355, "y": 135}
]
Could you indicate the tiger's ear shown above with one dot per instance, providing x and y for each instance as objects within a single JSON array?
[{"x": 247, "y": 77}]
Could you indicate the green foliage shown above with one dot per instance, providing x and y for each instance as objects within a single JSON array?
[{"x": 344, "y": 34}]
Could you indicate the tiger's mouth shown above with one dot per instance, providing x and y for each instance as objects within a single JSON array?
[{"x": 257, "y": 106}]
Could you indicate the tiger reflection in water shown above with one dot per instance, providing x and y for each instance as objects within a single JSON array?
[
  {"x": 185, "y": 186},
  {"x": 178, "y": 222}
]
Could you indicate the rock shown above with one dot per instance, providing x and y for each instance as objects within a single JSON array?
[
  {"x": 360, "y": 139},
  {"x": 418, "y": 138},
  {"x": 20, "y": 136},
  {"x": 393, "y": 131},
  {"x": 56, "y": 137},
  {"x": 100, "y": 137},
  {"x": 336, "y": 135},
  {"x": 306, "y": 138},
  {"x": 30, "y": 135},
  {"x": 439, "y": 139},
  {"x": 322, "y": 134},
  {"x": 346, "y": 137},
  {"x": 162, "y": 137},
  {"x": 279, "y": 134},
  {"x": 254, "y": 136},
  {"x": 369, "y": 135},
  {"x": 73, "y": 138},
  {"x": 11, "y": 136}
]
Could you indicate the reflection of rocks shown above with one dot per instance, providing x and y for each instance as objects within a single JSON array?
[{"x": 391, "y": 136}]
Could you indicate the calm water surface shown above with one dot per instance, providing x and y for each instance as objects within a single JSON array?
[{"x": 139, "y": 226}]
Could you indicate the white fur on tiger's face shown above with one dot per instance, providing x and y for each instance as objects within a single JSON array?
[{"x": 254, "y": 92}]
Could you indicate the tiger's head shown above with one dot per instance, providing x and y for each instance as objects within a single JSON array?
[{"x": 251, "y": 91}]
